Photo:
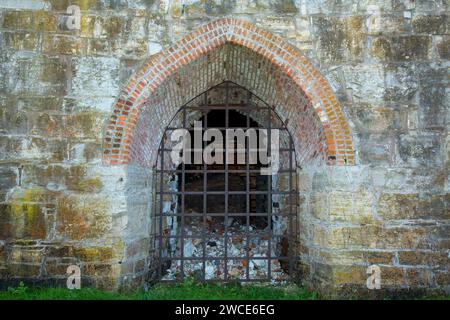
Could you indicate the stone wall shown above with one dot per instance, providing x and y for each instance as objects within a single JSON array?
[{"x": 386, "y": 61}]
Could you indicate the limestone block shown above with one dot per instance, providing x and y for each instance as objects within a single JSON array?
[
  {"x": 401, "y": 48},
  {"x": 349, "y": 275},
  {"x": 379, "y": 23},
  {"x": 420, "y": 149},
  {"x": 430, "y": 24},
  {"x": 319, "y": 205},
  {"x": 442, "y": 47},
  {"x": 392, "y": 277},
  {"x": 368, "y": 118},
  {"x": 102, "y": 82},
  {"x": 20, "y": 40},
  {"x": 21, "y": 19},
  {"x": 434, "y": 108},
  {"x": 419, "y": 277},
  {"x": 339, "y": 39},
  {"x": 21, "y": 254},
  {"x": 355, "y": 257},
  {"x": 8, "y": 178},
  {"x": 82, "y": 217},
  {"x": 366, "y": 82},
  {"x": 38, "y": 75},
  {"x": 63, "y": 44},
  {"x": 430, "y": 258},
  {"x": 22, "y": 221},
  {"x": 351, "y": 207},
  {"x": 377, "y": 149},
  {"x": 402, "y": 82}
]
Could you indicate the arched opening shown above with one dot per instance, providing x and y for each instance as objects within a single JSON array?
[
  {"x": 226, "y": 220},
  {"x": 232, "y": 51}
]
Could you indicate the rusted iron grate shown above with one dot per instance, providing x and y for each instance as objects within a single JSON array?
[{"x": 224, "y": 222}]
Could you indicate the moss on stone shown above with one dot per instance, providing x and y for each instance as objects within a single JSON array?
[
  {"x": 81, "y": 217},
  {"x": 90, "y": 185}
]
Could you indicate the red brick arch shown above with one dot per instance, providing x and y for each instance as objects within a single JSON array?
[{"x": 235, "y": 50}]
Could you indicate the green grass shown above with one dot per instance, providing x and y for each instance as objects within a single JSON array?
[{"x": 188, "y": 290}]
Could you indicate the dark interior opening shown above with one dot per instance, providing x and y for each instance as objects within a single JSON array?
[
  {"x": 224, "y": 221},
  {"x": 215, "y": 204}
]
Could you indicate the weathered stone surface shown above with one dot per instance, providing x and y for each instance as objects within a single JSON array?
[
  {"x": 420, "y": 149},
  {"x": 430, "y": 24},
  {"x": 392, "y": 276},
  {"x": 351, "y": 207},
  {"x": 380, "y": 23},
  {"x": 89, "y": 254},
  {"x": 372, "y": 236},
  {"x": 82, "y": 217},
  {"x": 22, "y": 221},
  {"x": 354, "y": 257},
  {"x": 377, "y": 148},
  {"x": 38, "y": 75},
  {"x": 418, "y": 277},
  {"x": 402, "y": 82},
  {"x": 63, "y": 44},
  {"x": 340, "y": 39},
  {"x": 365, "y": 82},
  {"x": 319, "y": 205},
  {"x": 442, "y": 47},
  {"x": 412, "y": 206},
  {"x": 368, "y": 118},
  {"x": 401, "y": 48},
  {"x": 20, "y": 40},
  {"x": 387, "y": 62},
  {"x": 437, "y": 259},
  {"x": 29, "y": 148},
  {"x": 434, "y": 106}
]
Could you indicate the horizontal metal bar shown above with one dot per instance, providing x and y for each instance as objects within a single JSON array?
[
  {"x": 222, "y": 192},
  {"x": 256, "y": 171},
  {"x": 225, "y": 128},
  {"x": 223, "y": 258},
  {"x": 235, "y": 150},
  {"x": 244, "y": 234},
  {"x": 221, "y": 280},
  {"x": 222, "y": 214}
]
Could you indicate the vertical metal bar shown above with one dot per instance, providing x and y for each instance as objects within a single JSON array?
[
  {"x": 269, "y": 191},
  {"x": 153, "y": 217},
  {"x": 247, "y": 189},
  {"x": 161, "y": 189},
  {"x": 226, "y": 185},
  {"x": 290, "y": 208},
  {"x": 205, "y": 199},
  {"x": 183, "y": 190}
]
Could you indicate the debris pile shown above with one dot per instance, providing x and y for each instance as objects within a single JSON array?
[{"x": 212, "y": 246}]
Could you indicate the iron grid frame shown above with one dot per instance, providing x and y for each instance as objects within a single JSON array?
[{"x": 160, "y": 232}]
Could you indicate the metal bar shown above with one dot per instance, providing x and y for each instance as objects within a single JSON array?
[
  {"x": 290, "y": 214},
  {"x": 247, "y": 197},
  {"x": 230, "y": 214},
  {"x": 226, "y": 169},
  {"x": 240, "y": 150},
  {"x": 161, "y": 214},
  {"x": 221, "y": 171},
  {"x": 228, "y": 258},
  {"x": 226, "y": 189},
  {"x": 220, "y": 192},
  {"x": 269, "y": 191},
  {"x": 224, "y": 128},
  {"x": 183, "y": 199},
  {"x": 205, "y": 199}
]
